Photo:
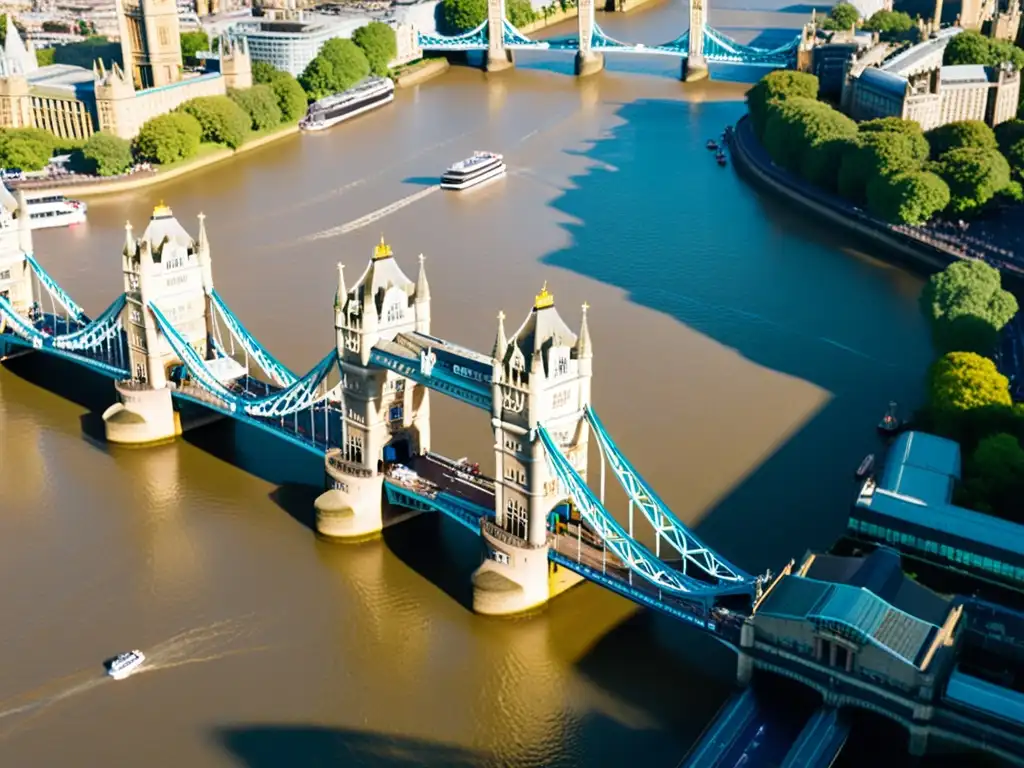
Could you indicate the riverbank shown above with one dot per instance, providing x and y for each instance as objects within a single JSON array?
[
  {"x": 420, "y": 71},
  {"x": 909, "y": 243},
  {"x": 550, "y": 20}
]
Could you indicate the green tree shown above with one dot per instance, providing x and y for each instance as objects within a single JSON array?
[
  {"x": 291, "y": 98},
  {"x": 963, "y": 381},
  {"x": 260, "y": 103},
  {"x": 967, "y": 306},
  {"x": 45, "y": 56},
  {"x": 911, "y": 128},
  {"x": 378, "y": 43},
  {"x": 876, "y": 153},
  {"x": 907, "y": 198},
  {"x": 971, "y": 47},
  {"x": 890, "y": 22},
  {"x": 318, "y": 78},
  {"x": 107, "y": 155},
  {"x": 462, "y": 15},
  {"x": 192, "y": 43},
  {"x": 167, "y": 138},
  {"x": 964, "y": 134},
  {"x": 974, "y": 177},
  {"x": 775, "y": 86},
  {"x": 797, "y": 124},
  {"x": 1009, "y": 133},
  {"x": 1015, "y": 157},
  {"x": 520, "y": 12},
  {"x": 995, "y": 474},
  {"x": 222, "y": 120},
  {"x": 339, "y": 65},
  {"x": 262, "y": 72},
  {"x": 27, "y": 148},
  {"x": 842, "y": 16}
]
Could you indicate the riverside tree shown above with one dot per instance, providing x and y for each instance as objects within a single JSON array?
[
  {"x": 260, "y": 103},
  {"x": 463, "y": 15},
  {"x": 26, "y": 148},
  {"x": 167, "y": 138},
  {"x": 966, "y": 306},
  {"x": 974, "y": 177},
  {"x": 919, "y": 147},
  {"x": 995, "y": 476},
  {"x": 378, "y": 43},
  {"x": 842, "y": 16},
  {"x": 106, "y": 154},
  {"x": 777, "y": 86},
  {"x": 907, "y": 198},
  {"x": 339, "y": 65},
  {"x": 963, "y": 134},
  {"x": 876, "y": 153},
  {"x": 222, "y": 120},
  {"x": 962, "y": 381}
]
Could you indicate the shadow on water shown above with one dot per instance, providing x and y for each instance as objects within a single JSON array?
[
  {"x": 702, "y": 247},
  {"x": 423, "y": 181},
  {"x": 440, "y": 551},
  {"x": 312, "y": 746}
]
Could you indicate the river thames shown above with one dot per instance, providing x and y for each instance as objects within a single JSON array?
[{"x": 742, "y": 358}]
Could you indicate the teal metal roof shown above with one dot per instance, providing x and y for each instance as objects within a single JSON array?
[{"x": 852, "y": 612}]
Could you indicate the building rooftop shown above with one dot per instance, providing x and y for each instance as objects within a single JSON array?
[
  {"x": 884, "y": 81},
  {"x": 916, "y": 56},
  {"x": 916, "y": 488},
  {"x": 62, "y": 80},
  {"x": 964, "y": 74},
  {"x": 877, "y": 604},
  {"x": 973, "y": 692}
]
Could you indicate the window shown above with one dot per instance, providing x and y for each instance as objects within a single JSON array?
[
  {"x": 515, "y": 518},
  {"x": 400, "y": 385},
  {"x": 354, "y": 448},
  {"x": 136, "y": 315},
  {"x": 5, "y": 274},
  {"x": 513, "y": 445},
  {"x": 395, "y": 413},
  {"x": 140, "y": 372},
  {"x": 395, "y": 312},
  {"x": 560, "y": 398},
  {"x": 516, "y": 475},
  {"x": 562, "y": 366}
]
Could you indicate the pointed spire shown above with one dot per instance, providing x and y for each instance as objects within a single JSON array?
[
  {"x": 583, "y": 345},
  {"x": 342, "y": 294},
  {"x": 129, "y": 241},
  {"x": 422, "y": 286},
  {"x": 203, "y": 243},
  {"x": 500, "y": 342}
]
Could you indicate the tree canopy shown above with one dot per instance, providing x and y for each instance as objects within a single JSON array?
[
  {"x": 842, "y": 16},
  {"x": 799, "y": 123},
  {"x": 462, "y": 15},
  {"x": 260, "y": 104},
  {"x": 962, "y": 381},
  {"x": 967, "y": 306},
  {"x": 974, "y": 177},
  {"x": 192, "y": 43},
  {"x": 919, "y": 147},
  {"x": 262, "y": 72},
  {"x": 964, "y": 134},
  {"x": 971, "y": 47},
  {"x": 889, "y": 22},
  {"x": 776, "y": 86},
  {"x": 378, "y": 43},
  {"x": 167, "y": 138},
  {"x": 339, "y": 65},
  {"x": 27, "y": 148},
  {"x": 222, "y": 120},
  {"x": 107, "y": 155},
  {"x": 876, "y": 153},
  {"x": 907, "y": 198},
  {"x": 291, "y": 98}
]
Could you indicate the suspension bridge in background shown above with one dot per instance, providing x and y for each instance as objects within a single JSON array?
[{"x": 698, "y": 46}]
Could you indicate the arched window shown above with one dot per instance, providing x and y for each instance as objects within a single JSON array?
[
  {"x": 395, "y": 312},
  {"x": 515, "y": 518}
]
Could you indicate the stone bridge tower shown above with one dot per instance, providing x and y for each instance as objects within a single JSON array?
[
  {"x": 588, "y": 61},
  {"x": 541, "y": 376},
  {"x": 16, "y": 284},
  {"x": 695, "y": 66},
  {"x": 165, "y": 267},
  {"x": 383, "y": 410},
  {"x": 498, "y": 56}
]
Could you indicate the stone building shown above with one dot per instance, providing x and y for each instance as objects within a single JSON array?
[
  {"x": 73, "y": 102},
  {"x": 915, "y": 85}
]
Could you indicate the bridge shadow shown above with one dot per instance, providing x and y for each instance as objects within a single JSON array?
[
  {"x": 654, "y": 216},
  {"x": 312, "y": 746}
]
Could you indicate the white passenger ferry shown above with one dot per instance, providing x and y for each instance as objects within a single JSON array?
[
  {"x": 125, "y": 664},
  {"x": 371, "y": 93},
  {"x": 55, "y": 211},
  {"x": 475, "y": 169}
]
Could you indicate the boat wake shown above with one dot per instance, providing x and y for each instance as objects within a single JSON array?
[
  {"x": 370, "y": 218},
  {"x": 192, "y": 646}
]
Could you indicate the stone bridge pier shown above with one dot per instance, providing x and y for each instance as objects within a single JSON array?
[
  {"x": 498, "y": 56},
  {"x": 588, "y": 61},
  {"x": 542, "y": 375},
  {"x": 695, "y": 66}
]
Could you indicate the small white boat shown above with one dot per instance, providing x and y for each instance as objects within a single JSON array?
[
  {"x": 55, "y": 211},
  {"x": 125, "y": 664},
  {"x": 866, "y": 466},
  {"x": 476, "y": 169}
]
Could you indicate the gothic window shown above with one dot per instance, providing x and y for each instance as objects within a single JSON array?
[
  {"x": 163, "y": 36},
  {"x": 136, "y": 315},
  {"x": 354, "y": 448},
  {"x": 5, "y": 275},
  {"x": 352, "y": 342},
  {"x": 562, "y": 366},
  {"x": 515, "y": 518},
  {"x": 140, "y": 372},
  {"x": 395, "y": 312},
  {"x": 400, "y": 385},
  {"x": 133, "y": 282}
]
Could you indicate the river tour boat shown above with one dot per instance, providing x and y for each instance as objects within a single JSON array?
[
  {"x": 865, "y": 467},
  {"x": 890, "y": 424},
  {"x": 125, "y": 664},
  {"x": 55, "y": 211},
  {"x": 476, "y": 169},
  {"x": 712, "y": 144},
  {"x": 369, "y": 94}
]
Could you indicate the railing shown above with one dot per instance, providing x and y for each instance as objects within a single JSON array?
[
  {"x": 500, "y": 534},
  {"x": 334, "y": 461}
]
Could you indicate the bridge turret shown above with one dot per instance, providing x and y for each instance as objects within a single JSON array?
[
  {"x": 695, "y": 66},
  {"x": 498, "y": 56},
  {"x": 540, "y": 380},
  {"x": 166, "y": 267},
  {"x": 387, "y": 417}
]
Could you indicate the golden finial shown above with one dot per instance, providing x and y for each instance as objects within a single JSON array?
[
  {"x": 383, "y": 250},
  {"x": 544, "y": 298},
  {"x": 161, "y": 210}
]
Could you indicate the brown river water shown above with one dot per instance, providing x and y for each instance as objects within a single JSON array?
[{"x": 742, "y": 357}]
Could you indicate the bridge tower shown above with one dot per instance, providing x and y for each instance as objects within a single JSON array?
[
  {"x": 16, "y": 284},
  {"x": 695, "y": 66},
  {"x": 384, "y": 412},
  {"x": 541, "y": 376},
  {"x": 588, "y": 61},
  {"x": 165, "y": 267},
  {"x": 498, "y": 56}
]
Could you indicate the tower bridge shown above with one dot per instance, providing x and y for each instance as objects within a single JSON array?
[
  {"x": 698, "y": 46},
  {"x": 857, "y": 632}
]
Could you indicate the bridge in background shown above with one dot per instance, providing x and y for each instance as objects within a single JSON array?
[{"x": 697, "y": 46}]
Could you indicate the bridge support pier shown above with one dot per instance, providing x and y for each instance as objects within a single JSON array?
[
  {"x": 588, "y": 63},
  {"x": 350, "y": 508},
  {"x": 142, "y": 417},
  {"x": 499, "y": 60},
  {"x": 695, "y": 68},
  {"x": 513, "y": 578}
]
